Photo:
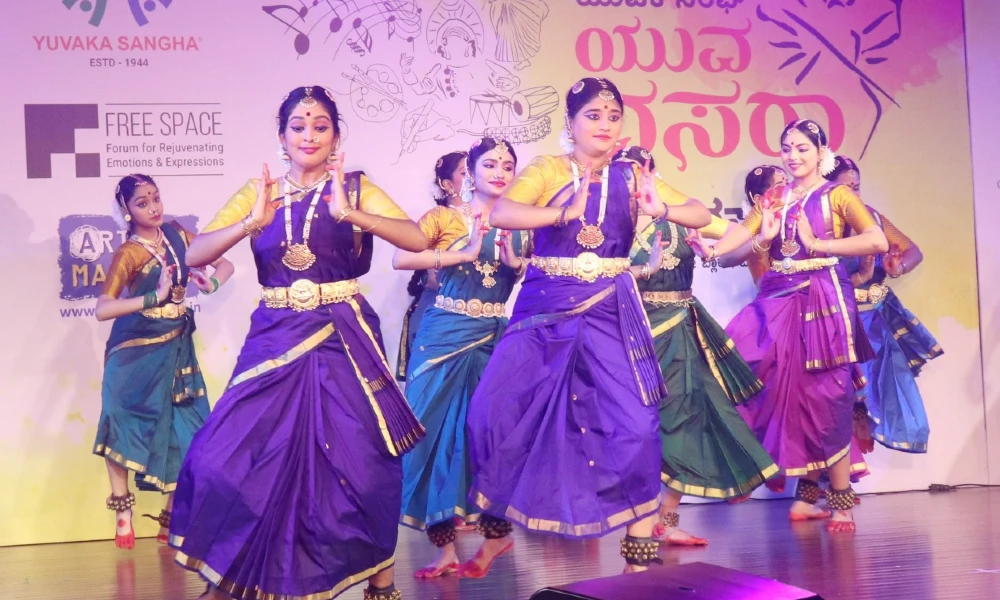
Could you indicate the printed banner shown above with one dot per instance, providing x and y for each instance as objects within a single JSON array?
[{"x": 187, "y": 92}]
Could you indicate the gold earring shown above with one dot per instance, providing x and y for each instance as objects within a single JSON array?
[{"x": 283, "y": 154}]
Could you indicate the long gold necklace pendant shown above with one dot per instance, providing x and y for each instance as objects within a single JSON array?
[
  {"x": 790, "y": 248},
  {"x": 298, "y": 257},
  {"x": 487, "y": 269},
  {"x": 590, "y": 237}
]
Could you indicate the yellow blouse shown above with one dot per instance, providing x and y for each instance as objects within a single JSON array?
[
  {"x": 897, "y": 239},
  {"x": 716, "y": 228},
  {"x": 128, "y": 261},
  {"x": 372, "y": 201},
  {"x": 539, "y": 182},
  {"x": 845, "y": 207},
  {"x": 442, "y": 226}
]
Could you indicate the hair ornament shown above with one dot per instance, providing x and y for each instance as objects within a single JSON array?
[
  {"x": 605, "y": 94},
  {"x": 827, "y": 162},
  {"x": 308, "y": 101}
]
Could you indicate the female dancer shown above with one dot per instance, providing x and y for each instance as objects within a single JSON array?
[
  {"x": 707, "y": 448},
  {"x": 449, "y": 173},
  {"x": 571, "y": 393},
  {"x": 478, "y": 266},
  {"x": 758, "y": 181},
  {"x": 292, "y": 487},
  {"x": 902, "y": 344},
  {"x": 153, "y": 395},
  {"x": 802, "y": 333}
]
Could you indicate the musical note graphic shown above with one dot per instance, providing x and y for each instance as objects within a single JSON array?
[
  {"x": 301, "y": 42},
  {"x": 401, "y": 16},
  {"x": 364, "y": 38}
]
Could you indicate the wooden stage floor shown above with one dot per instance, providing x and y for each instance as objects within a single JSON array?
[{"x": 909, "y": 546}]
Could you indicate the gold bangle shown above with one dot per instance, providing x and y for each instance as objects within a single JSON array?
[
  {"x": 377, "y": 223},
  {"x": 250, "y": 227},
  {"x": 437, "y": 258},
  {"x": 829, "y": 245},
  {"x": 343, "y": 214},
  {"x": 812, "y": 247},
  {"x": 561, "y": 219},
  {"x": 711, "y": 255}
]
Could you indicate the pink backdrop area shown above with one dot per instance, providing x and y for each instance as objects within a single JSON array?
[{"x": 187, "y": 91}]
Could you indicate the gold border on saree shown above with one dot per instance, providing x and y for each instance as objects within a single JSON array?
[
  {"x": 873, "y": 294},
  {"x": 587, "y": 266},
  {"x": 473, "y": 307},
  {"x": 789, "y": 266},
  {"x": 305, "y": 295},
  {"x": 167, "y": 311},
  {"x": 682, "y": 298}
]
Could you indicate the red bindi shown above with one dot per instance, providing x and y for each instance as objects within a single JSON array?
[{"x": 308, "y": 114}]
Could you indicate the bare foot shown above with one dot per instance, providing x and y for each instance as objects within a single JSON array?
[
  {"x": 634, "y": 569},
  {"x": 446, "y": 563},
  {"x": 803, "y": 511},
  {"x": 480, "y": 565},
  {"x": 213, "y": 594},
  {"x": 676, "y": 537},
  {"x": 842, "y": 520},
  {"x": 124, "y": 534}
]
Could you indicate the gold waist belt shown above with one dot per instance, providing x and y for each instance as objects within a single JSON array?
[
  {"x": 167, "y": 311},
  {"x": 470, "y": 308},
  {"x": 587, "y": 266},
  {"x": 873, "y": 294},
  {"x": 789, "y": 266},
  {"x": 684, "y": 297},
  {"x": 309, "y": 295}
]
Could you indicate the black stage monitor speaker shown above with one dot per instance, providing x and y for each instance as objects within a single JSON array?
[{"x": 693, "y": 581}]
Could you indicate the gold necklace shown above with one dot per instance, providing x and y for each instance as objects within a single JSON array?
[
  {"x": 591, "y": 236},
  {"x": 298, "y": 257},
  {"x": 305, "y": 189},
  {"x": 594, "y": 168},
  {"x": 789, "y": 245},
  {"x": 177, "y": 291},
  {"x": 486, "y": 269},
  {"x": 670, "y": 260}
]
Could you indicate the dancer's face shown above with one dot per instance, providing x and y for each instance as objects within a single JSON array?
[
  {"x": 597, "y": 126},
  {"x": 494, "y": 172},
  {"x": 851, "y": 179},
  {"x": 145, "y": 206},
  {"x": 799, "y": 155},
  {"x": 309, "y": 137}
]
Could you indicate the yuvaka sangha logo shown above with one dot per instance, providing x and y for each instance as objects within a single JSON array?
[{"x": 96, "y": 9}]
